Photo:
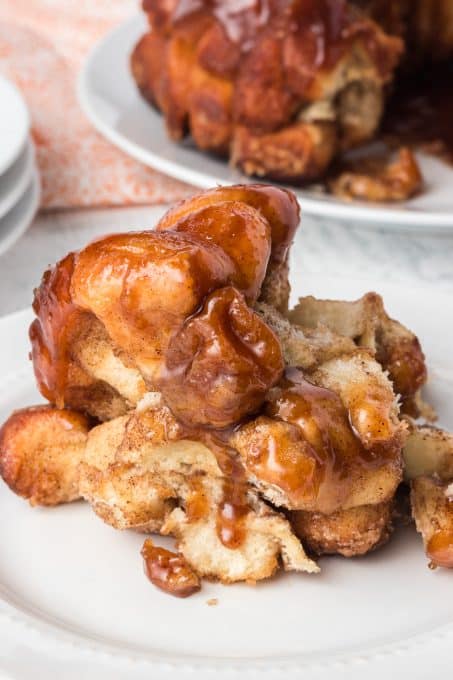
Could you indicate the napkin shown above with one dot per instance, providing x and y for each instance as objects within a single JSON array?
[{"x": 43, "y": 44}]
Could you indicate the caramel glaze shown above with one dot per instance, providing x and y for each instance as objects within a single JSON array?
[
  {"x": 224, "y": 344},
  {"x": 169, "y": 571},
  {"x": 420, "y": 112},
  {"x": 278, "y": 206},
  {"x": 233, "y": 508},
  {"x": 323, "y": 29},
  {"x": 204, "y": 338},
  {"x": 123, "y": 281},
  {"x": 281, "y": 209},
  {"x": 231, "y": 513},
  {"x": 221, "y": 363},
  {"x": 241, "y": 232},
  {"x": 322, "y": 453},
  {"x": 52, "y": 332},
  {"x": 440, "y": 549},
  {"x": 197, "y": 505},
  {"x": 143, "y": 285}
]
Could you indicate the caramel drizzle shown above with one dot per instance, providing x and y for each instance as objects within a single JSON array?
[
  {"x": 54, "y": 330},
  {"x": 332, "y": 448},
  {"x": 233, "y": 509},
  {"x": 299, "y": 403},
  {"x": 325, "y": 28},
  {"x": 51, "y": 333},
  {"x": 239, "y": 18},
  {"x": 440, "y": 549}
]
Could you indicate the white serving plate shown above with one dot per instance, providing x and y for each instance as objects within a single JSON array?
[
  {"x": 17, "y": 220},
  {"x": 14, "y": 124},
  {"x": 15, "y": 180},
  {"x": 111, "y": 101},
  {"x": 74, "y": 601}
]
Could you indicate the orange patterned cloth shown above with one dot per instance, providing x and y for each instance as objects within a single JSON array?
[{"x": 42, "y": 46}]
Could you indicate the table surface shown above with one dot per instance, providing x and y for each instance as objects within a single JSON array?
[{"x": 320, "y": 247}]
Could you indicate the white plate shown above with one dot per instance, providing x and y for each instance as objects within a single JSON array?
[
  {"x": 14, "y": 181},
  {"x": 75, "y": 603},
  {"x": 14, "y": 123},
  {"x": 110, "y": 99},
  {"x": 19, "y": 217}
]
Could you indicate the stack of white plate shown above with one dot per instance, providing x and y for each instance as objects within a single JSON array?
[{"x": 19, "y": 182}]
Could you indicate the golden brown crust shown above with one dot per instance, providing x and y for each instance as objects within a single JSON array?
[
  {"x": 248, "y": 243},
  {"x": 276, "y": 206},
  {"x": 380, "y": 181},
  {"x": 106, "y": 316},
  {"x": 40, "y": 450},
  {"x": 297, "y": 153},
  {"x": 351, "y": 532}
]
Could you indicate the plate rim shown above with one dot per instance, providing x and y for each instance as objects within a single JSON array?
[
  {"x": 25, "y": 175},
  {"x": 21, "y": 140},
  {"x": 386, "y": 218},
  {"x": 33, "y": 191},
  {"x": 65, "y": 635}
]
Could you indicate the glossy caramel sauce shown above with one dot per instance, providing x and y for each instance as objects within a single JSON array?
[
  {"x": 143, "y": 285},
  {"x": 230, "y": 354},
  {"x": 321, "y": 453},
  {"x": 233, "y": 508},
  {"x": 241, "y": 232},
  {"x": 197, "y": 505},
  {"x": 231, "y": 513},
  {"x": 169, "y": 571},
  {"x": 324, "y": 29},
  {"x": 222, "y": 362},
  {"x": 231, "y": 516},
  {"x": 440, "y": 549},
  {"x": 278, "y": 206},
  {"x": 52, "y": 332},
  {"x": 420, "y": 112},
  {"x": 240, "y": 19},
  {"x": 281, "y": 211}
]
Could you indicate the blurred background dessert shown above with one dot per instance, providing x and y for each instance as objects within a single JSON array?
[{"x": 285, "y": 88}]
